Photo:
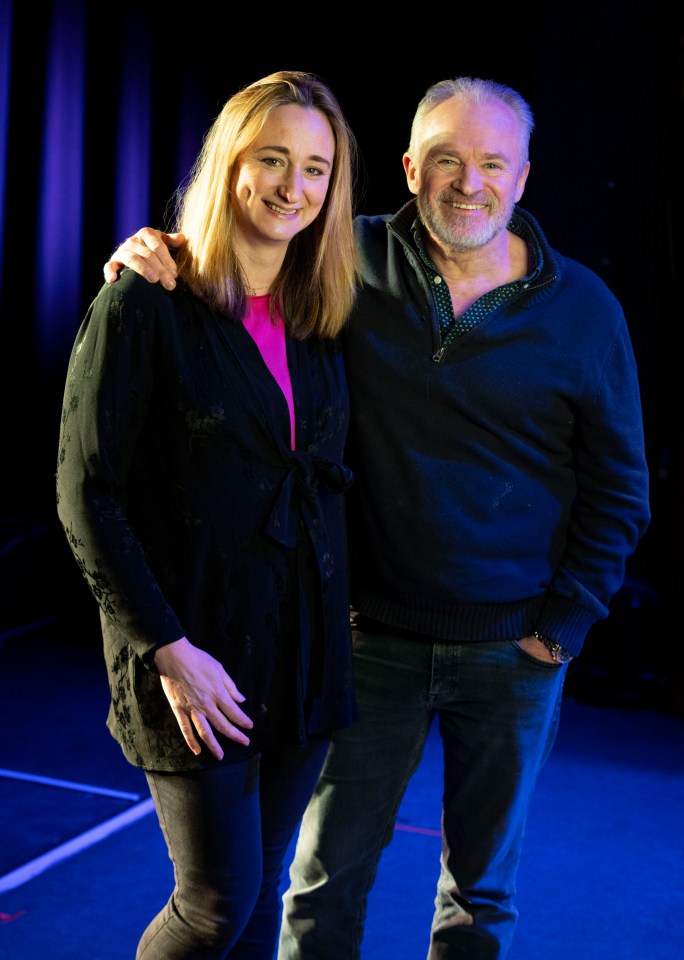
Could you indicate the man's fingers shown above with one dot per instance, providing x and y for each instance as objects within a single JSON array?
[
  {"x": 111, "y": 271},
  {"x": 153, "y": 246},
  {"x": 175, "y": 240},
  {"x": 139, "y": 258},
  {"x": 147, "y": 253}
]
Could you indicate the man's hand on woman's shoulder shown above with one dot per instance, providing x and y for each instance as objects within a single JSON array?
[{"x": 148, "y": 253}]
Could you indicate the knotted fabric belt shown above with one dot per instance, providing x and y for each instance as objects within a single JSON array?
[{"x": 298, "y": 499}]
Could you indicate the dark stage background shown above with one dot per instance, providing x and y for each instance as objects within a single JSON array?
[{"x": 102, "y": 110}]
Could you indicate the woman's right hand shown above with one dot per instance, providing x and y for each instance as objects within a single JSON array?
[{"x": 202, "y": 696}]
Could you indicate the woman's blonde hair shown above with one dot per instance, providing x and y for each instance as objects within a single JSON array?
[{"x": 315, "y": 287}]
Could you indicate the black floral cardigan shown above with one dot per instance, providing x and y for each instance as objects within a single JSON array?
[{"x": 189, "y": 514}]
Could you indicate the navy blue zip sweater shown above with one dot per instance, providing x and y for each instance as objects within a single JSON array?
[{"x": 501, "y": 484}]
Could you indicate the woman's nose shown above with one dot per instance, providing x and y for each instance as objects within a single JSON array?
[{"x": 290, "y": 187}]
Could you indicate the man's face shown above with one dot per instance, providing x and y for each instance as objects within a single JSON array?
[{"x": 467, "y": 170}]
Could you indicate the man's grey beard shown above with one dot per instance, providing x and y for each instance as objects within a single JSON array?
[{"x": 457, "y": 233}]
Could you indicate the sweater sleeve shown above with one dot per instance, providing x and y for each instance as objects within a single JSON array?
[{"x": 611, "y": 509}]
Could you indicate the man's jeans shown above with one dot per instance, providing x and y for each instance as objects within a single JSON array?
[{"x": 498, "y": 711}]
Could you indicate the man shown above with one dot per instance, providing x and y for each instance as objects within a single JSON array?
[{"x": 501, "y": 484}]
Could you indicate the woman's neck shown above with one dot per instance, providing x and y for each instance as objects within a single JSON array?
[{"x": 260, "y": 265}]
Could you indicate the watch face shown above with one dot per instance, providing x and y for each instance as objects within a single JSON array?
[{"x": 561, "y": 654}]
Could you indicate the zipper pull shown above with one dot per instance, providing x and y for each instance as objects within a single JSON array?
[{"x": 438, "y": 356}]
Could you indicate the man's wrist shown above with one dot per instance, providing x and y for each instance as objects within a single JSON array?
[{"x": 559, "y": 653}]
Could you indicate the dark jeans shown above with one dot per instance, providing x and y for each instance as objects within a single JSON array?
[
  {"x": 227, "y": 830},
  {"x": 498, "y": 710}
]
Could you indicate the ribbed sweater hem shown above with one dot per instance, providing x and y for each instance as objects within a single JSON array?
[{"x": 465, "y": 623}]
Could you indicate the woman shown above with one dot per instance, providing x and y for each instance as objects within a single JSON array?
[{"x": 200, "y": 485}]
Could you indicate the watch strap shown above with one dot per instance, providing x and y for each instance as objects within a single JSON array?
[{"x": 559, "y": 653}]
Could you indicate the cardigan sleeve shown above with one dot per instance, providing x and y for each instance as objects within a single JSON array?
[{"x": 105, "y": 405}]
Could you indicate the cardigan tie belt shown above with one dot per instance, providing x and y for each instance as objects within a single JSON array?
[{"x": 298, "y": 497}]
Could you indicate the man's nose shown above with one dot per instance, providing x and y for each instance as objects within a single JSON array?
[{"x": 468, "y": 179}]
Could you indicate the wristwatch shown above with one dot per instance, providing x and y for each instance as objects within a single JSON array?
[{"x": 559, "y": 654}]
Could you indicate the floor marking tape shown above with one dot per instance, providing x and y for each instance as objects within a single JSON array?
[{"x": 65, "y": 850}]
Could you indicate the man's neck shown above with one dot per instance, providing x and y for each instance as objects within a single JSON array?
[
  {"x": 472, "y": 273},
  {"x": 502, "y": 260}
]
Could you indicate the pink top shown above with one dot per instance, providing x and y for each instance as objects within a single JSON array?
[{"x": 270, "y": 339}]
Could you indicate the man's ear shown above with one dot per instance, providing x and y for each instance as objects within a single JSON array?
[
  {"x": 522, "y": 180},
  {"x": 411, "y": 172}
]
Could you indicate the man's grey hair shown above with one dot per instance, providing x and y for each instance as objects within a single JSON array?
[{"x": 477, "y": 91}]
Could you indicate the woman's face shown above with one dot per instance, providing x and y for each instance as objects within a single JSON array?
[{"x": 283, "y": 177}]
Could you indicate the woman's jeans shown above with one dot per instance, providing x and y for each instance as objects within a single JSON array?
[
  {"x": 498, "y": 710},
  {"x": 227, "y": 830}
]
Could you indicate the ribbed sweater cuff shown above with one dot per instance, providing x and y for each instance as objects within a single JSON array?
[{"x": 565, "y": 622}]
